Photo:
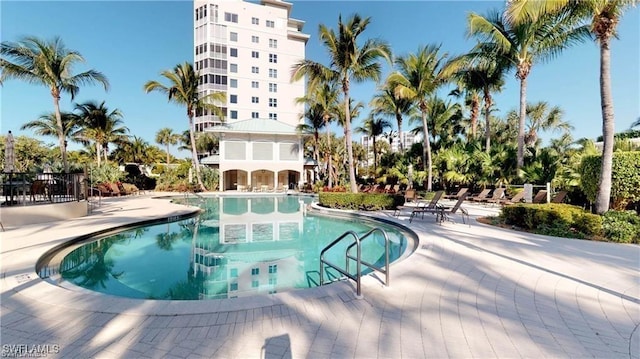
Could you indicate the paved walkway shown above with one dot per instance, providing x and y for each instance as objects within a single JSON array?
[{"x": 467, "y": 291}]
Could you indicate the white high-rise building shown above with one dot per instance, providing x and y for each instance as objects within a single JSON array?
[{"x": 247, "y": 50}]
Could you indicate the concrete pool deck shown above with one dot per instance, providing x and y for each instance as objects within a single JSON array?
[{"x": 467, "y": 291}]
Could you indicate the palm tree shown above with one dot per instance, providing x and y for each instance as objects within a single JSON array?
[
  {"x": 522, "y": 45},
  {"x": 387, "y": 103},
  {"x": 322, "y": 100},
  {"x": 418, "y": 76},
  {"x": 635, "y": 124},
  {"x": 48, "y": 63},
  {"x": 374, "y": 127},
  {"x": 348, "y": 62},
  {"x": 604, "y": 16},
  {"x": 165, "y": 137},
  {"x": 543, "y": 117},
  {"x": 183, "y": 90},
  {"x": 100, "y": 126},
  {"x": 47, "y": 125}
]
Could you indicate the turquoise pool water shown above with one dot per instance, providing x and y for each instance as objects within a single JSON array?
[{"x": 238, "y": 246}]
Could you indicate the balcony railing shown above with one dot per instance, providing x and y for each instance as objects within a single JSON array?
[{"x": 22, "y": 189}]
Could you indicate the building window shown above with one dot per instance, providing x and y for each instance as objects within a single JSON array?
[
  {"x": 233, "y": 273},
  {"x": 273, "y": 43},
  {"x": 270, "y": 23},
  {"x": 255, "y": 99},
  {"x": 273, "y": 102},
  {"x": 255, "y": 70},
  {"x": 234, "y": 114},
  {"x": 273, "y": 281},
  {"x": 255, "y": 271},
  {"x": 233, "y": 36},
  {"x": 254, "y": 84},
  {"x": 230, "y": 17},
  {"x": 255, "y": 54},
  {"x": 233, "y": 286},
  {"x": 233, "y": 68},
  {"x": 273, "y": 73},
  {"x": 233, "y": 83},
  {"x": 273, "y": 87},
  {"x": 255, "y": 39},
  {"x": 233, "y": 98},
  {"x": 255, "y": 283},
  {"x": 255, "y": 115},
  {"x": 273, "y": 116},
  {"x": 255, "y": 21},
  {"x": 273, "y": 58},
  {"x": 273, "y": 269},
  {"x": 233, "y": 52}
]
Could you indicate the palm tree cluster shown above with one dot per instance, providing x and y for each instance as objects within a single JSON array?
[{"x": 513, "y": 39}]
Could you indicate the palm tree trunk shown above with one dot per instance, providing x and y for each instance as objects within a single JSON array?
[
  {"x": 399, "y": 120},
  {"x": 608, "y": 123},
  {"x": 168, "y": 156},
  {"x": 487, "y": 120},
  {"x": 521, "y": 121},
  {"x": 329, "y": 165},
  {"x": 194, "y": 154},
  {"x": 98, "y": 157},
  {"x": 427, "y": 151},
  {"x": 375, "y": 158},
  {"x": 475, "y": 104},
  {"x": 347, "y": 126},
  {"x": 61, "y": 136}
]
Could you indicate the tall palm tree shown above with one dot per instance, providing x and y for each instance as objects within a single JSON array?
[
  {"x": 48, "y": 63},
  {"x": 374, "y": 127},
  {"x": 522, "y": 45},
  {"x": 542, "y": 117},
  {"x": 349, "y": 62},
  {"x": 322, "y": 98},
  {"x": 166, "y": 137},
  {"x": 47, "y": 125},
  {"x": 314, "y": 122},
  {"x": 183, "y": 90},
  {"x": 604, "y": 16},
  {"x": 387, "y": 103},
  {"x": 418, "y": 76},
  {"x": 100, "y": 126}
]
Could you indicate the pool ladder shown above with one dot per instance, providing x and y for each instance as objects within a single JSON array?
[{"x": 358, "y": 258}]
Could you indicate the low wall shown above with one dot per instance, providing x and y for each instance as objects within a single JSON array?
[{"x": 21, "y": 215}]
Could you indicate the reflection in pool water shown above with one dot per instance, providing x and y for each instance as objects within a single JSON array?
[{"x": 238, "y": 246}]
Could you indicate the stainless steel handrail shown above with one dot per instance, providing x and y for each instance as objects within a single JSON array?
[{"x": 358, "y": 258}]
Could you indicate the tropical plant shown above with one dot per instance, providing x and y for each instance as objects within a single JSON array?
[
  {"x": 373, "y": 127},
  {"x": 522, "y": 44},
  {"x": 387, "y": 103},
  {"x": 101, "y": 126},
  {"x": 183, "y": 90},
  {"x": 349, "y": 62},
  {"x": 418, "y": 76},
  {"x": 47, "y": 125},
  {"x": 48, "y": 63},
  {"x": 166, "y": 137},
  {"x": 542, "y": 117}
]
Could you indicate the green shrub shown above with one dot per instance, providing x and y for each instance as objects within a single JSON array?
[
  {"x": 106, "y": 172},
  {"x": 360, "y": 201},
  {"x": 553, "y": 219},
  {"x": 625, "y": 179},
  {"x": 588, "y": 223},
  {"x": 622, "y": 226}
]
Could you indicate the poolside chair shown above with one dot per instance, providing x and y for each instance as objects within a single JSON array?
[
  {"x": 104, "y": 190},
  {"x": 446, "y": 211},
  {"x": 541, "y": 197},
  {"x": 40, "y": 188},
  {"x": 497, "y": 195},
  {"x": 518, "y": 197},
  {"x": 410, "y": 195},
  {"x": 461, "y": 192},
  {"x": 480, "y": 196},
  {"x": 423, "y": 207},
  {"x": 559, "y": 197},
  {"x": 115, "y": 191}
]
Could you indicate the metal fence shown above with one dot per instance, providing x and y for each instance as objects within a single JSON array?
[{"x": 23, "y": 189}]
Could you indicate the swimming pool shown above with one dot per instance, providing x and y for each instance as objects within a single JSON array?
[{"x": 237, "y": 246}]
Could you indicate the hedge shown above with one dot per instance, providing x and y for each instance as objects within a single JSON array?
[
  {"x": 360, "y": 201},
  {"x": 625, "y": 178},
  {"x": 553, "y": 219}
]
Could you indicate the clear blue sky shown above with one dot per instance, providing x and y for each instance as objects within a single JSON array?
[{"x": 132, "y": 42}]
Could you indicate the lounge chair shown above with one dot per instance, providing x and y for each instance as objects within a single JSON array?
[
  {"x": 446, "y": 211},
  {"x": 410, "y": 195},
  {"x": 559, "y": 197},
  {"x": 461, "y": 192},
  {"x": 541, "y": 197},
  {"x": 423, "y": 207},
  {"x": 497, "y": 195},
  {"x": 518, "y": 197},
  {"x": 40, "y": 188},
  {"x": 480, "y": 196}
]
